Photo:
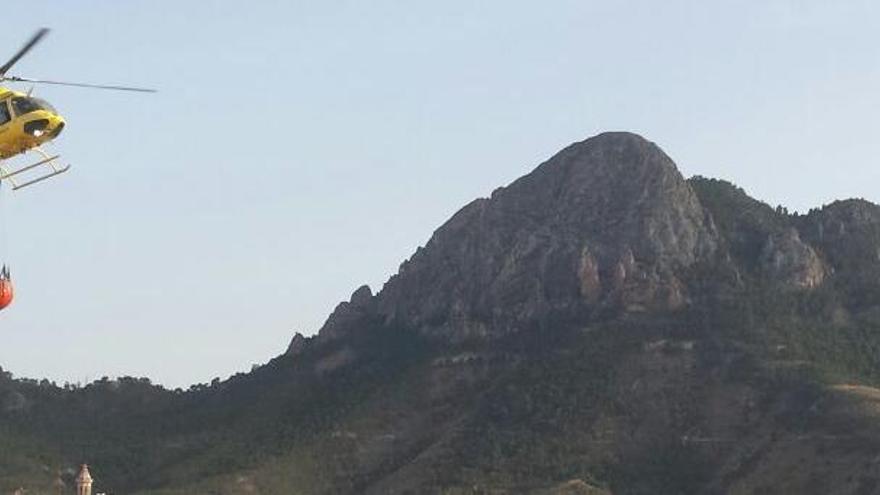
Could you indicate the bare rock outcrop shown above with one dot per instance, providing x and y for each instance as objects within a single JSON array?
[
  {"x": 607, "y": 223},
  {"x": 791, "y": 263},
  {"x": 297, "y": 345},
  {"x": 348, "y": 315}
]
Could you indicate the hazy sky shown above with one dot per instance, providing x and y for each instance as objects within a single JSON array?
[{"x": 300, "y": 149}]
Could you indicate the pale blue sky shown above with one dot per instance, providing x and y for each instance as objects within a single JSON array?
[{"x": 300, "y": 149}]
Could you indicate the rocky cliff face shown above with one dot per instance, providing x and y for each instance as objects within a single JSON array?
[
  {"x": 787, "y": 261},
  {"x": 608, "y": 223}
]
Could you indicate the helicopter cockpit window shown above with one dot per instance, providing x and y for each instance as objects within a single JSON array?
[
  {"x": 25, "y": 105},
  {"x": 4, "y": 113},
  {"x": 45, "y": 105}
]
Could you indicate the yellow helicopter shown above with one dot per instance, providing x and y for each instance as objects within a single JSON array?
[{"x": 27, "y": 122}]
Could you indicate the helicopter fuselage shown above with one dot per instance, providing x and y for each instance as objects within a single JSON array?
[{"x": 25, "y": 123}]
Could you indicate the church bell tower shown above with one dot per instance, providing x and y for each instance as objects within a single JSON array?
[{"x": 84, "y": 481}]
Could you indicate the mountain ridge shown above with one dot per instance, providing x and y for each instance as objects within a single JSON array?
[{"x": 601, "y": 324}]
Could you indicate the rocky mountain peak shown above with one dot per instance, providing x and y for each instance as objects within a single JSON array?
[
  {"x": 606, "y": 226},
  {"x": 608, "y": 222}
]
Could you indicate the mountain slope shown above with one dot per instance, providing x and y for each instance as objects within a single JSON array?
[{"x": 599, "y": 325}]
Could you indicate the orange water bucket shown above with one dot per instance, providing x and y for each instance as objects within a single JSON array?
[{"x": 5, "y": 292}]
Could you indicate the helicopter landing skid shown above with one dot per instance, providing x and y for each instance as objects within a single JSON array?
[{"x": 50, "y": 161}]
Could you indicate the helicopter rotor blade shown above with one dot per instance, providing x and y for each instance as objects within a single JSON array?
[
  {"x": 23, "y": 51},
  {"x": 80, "y": 85}
]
